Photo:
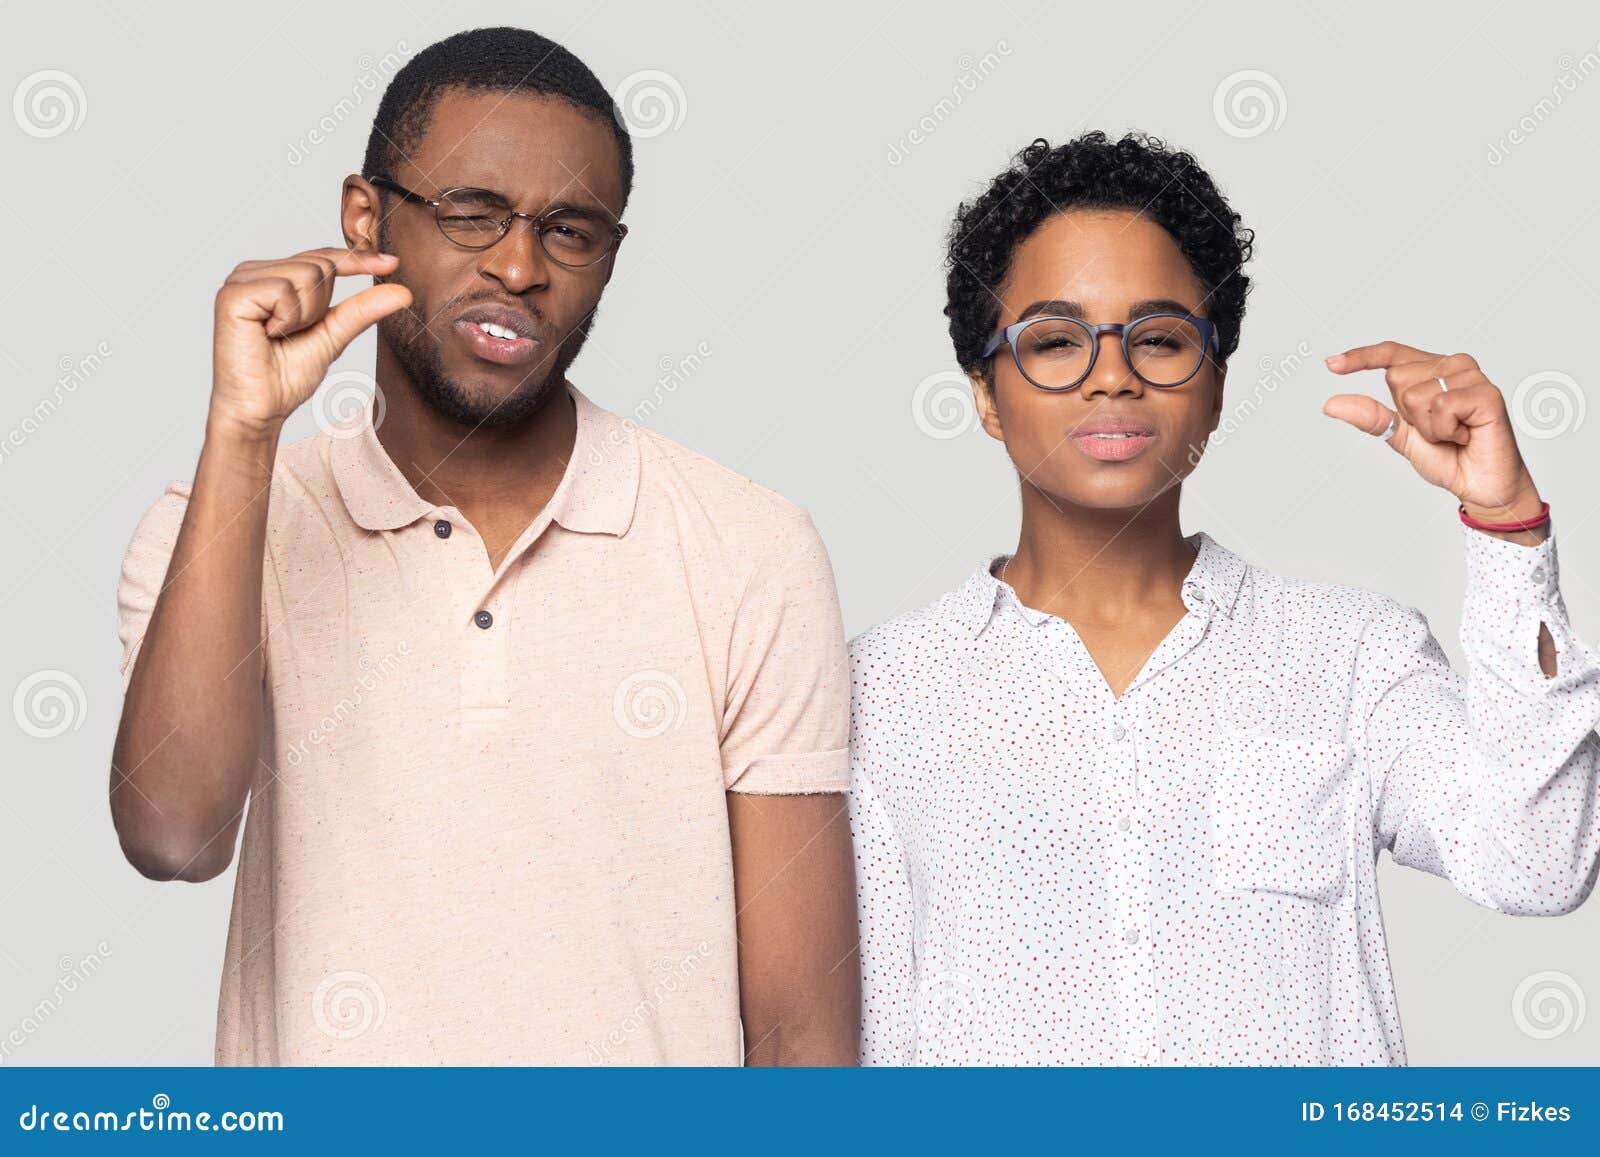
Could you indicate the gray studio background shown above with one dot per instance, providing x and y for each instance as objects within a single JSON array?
[{"x": 1418, "y": 173}]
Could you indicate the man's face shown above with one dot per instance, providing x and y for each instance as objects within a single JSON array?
[
  {"x": 1113, "y": 442},
  {"x": 539, "y": 153}
]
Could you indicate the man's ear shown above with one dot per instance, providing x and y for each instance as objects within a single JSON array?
[
  {"x": 611, "y": 261},
  {"x": 360, "y": 214},
  {"x": 983, "y": 400}
]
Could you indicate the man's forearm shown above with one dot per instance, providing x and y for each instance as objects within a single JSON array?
[
  {"x": 191, "y": 722},
  {"x": 821, "y": 1036},
  {"x": 794, "y": 887}
]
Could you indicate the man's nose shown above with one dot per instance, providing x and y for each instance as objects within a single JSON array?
[{"x": 518, "y": 261}]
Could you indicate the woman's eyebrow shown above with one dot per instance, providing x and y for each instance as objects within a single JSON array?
[
  {"x": 1157, "y": 305},
  {"x": 1059, "y": 307},
  {"x": 1052, "y": 307}
]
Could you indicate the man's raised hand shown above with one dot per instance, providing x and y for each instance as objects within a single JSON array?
[{"x": 276, "y": 335}]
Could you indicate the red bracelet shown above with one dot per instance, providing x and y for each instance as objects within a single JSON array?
[{"x": 1508, "y": 527}]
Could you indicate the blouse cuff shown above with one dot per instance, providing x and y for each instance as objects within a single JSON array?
[{"x": 1511, "y": 590}]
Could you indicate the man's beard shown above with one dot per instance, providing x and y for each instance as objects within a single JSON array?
[{"x": 415, "y": 349}]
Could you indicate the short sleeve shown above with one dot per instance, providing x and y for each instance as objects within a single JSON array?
[
  {"x": 144, "y": 570},
  {"x": 786, "y": 718}
]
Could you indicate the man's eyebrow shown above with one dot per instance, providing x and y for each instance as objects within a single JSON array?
[
  {"x": 577, "y": 207},
  {"x": 1058, "y": 307},
  {"x": 565, "y": 205}
]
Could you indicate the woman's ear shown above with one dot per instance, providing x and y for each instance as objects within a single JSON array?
[
  {"x": 1216, "y": 397},
  {"x": 983, "y": 400}
]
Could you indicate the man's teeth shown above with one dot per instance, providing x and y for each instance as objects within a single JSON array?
[{"x": 499, "y": 331}]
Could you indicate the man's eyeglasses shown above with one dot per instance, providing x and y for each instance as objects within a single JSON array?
[
  {"x": 1057, "y": 353},
  {"x": 477, "y": 218}
]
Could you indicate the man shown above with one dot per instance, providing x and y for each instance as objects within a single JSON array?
[{"x": 541, "y": 718}]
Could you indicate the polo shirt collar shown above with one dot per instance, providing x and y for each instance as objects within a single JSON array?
[
  {"x": 1215, "y": 578},
  {"x": 600, "y": 488},
  {"x": 597, "y": 493}
]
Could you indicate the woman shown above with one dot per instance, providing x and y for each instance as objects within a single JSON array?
[{"x": 1118, "y": 798}]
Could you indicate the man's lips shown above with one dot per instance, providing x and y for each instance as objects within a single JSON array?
[
  {"x": 1112, "y": 441},
  {"x": 498, "y": 333}
]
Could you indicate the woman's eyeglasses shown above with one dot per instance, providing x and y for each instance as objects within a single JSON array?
[{"x": 1057, "y": 353}]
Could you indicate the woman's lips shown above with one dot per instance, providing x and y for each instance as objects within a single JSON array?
[
  {"x": 499, "y": 350},
  {"x": 1113, "y": 448}
]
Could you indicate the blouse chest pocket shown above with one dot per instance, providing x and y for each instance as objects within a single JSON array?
[{"x": 1282, "y": 824}]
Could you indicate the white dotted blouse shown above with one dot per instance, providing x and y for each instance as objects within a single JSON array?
[{"x": 1186, "y": 874}]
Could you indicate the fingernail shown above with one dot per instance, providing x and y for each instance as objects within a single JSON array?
[{"x": 1334, "y": 361}]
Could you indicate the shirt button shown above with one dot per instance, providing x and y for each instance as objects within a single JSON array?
[
  {"x": 442, "y": 528},
  {"x": 484, "y": 619},
  {"x": 1118, "y": 731},
  {"x": 1538, "y": 574},
  {"x": 1124, "y": 824},
  {"x": 1132, "y": 936}
]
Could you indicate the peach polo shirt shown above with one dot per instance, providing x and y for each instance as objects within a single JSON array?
[{"x": 489, "y": 824}]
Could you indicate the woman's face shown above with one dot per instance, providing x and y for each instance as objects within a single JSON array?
[{"x": 1113, "y": 442}]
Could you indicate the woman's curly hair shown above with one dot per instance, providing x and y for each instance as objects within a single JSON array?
[{"x": 1137, "y": 172}]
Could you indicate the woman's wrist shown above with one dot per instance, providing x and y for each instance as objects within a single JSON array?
[{"x": 1523, "y": 519}]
